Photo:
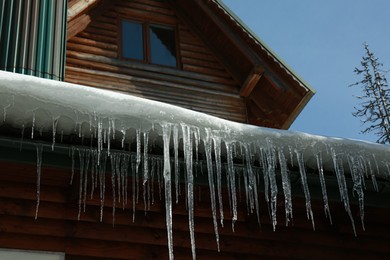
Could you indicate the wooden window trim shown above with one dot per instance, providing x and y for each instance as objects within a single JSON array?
[{"x": 146, "y": 41}]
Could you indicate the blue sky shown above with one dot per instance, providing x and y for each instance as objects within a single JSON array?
[{"x": 322, "y": 41}]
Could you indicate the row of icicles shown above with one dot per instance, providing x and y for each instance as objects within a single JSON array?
[{"x": 260, "y": 160}]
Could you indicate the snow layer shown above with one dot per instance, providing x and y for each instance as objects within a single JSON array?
[
  {"x": 41, "y": 103},
  {"x": 62, "y": 108}
]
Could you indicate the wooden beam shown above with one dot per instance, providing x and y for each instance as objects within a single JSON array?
[
  {"x": 80, "y": 7},
  {"x": 251, "y": 81},
  {"x": 83, "y": 18}
]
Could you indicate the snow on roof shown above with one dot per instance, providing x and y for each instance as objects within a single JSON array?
[{"x": 25, "y": 99}]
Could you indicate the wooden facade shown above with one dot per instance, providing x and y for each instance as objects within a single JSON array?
[{"x": 220, "y": 72}]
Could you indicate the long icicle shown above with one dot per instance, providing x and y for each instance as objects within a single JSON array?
[
  {"x": 208, "y": 146},
  {"x": 218, "y": 164},
  {"x": 232, "y": 183},
  {"x": 168, "y": 186},
  {"x": 286, "y": 184},
  {"x": 146, "y": 170},
  {"x": 176, "y": 154},
  {"x": 305, "y": 186},
  {"x": 188, "y": 156},
  {"x": 339, "y": 170},
  {"x": 323, "y": 186},
  {"x": 253, "y": 194},
  {"x": 39, "y": 166},
  {"x": 355, "y": 166}
]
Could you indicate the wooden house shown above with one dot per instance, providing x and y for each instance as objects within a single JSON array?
[{"x": 194, "y": 54}]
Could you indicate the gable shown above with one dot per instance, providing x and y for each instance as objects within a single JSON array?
[{"x": 93, "y": 59}]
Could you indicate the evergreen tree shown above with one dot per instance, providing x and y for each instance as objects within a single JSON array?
[{"x": 374, "y": 109}]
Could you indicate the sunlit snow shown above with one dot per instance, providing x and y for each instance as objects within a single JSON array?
[{"x": 105, "y": 116}]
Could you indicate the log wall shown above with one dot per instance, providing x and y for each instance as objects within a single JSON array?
[
  {"x": 58, "y": 229},
  {"x": 200, "y": 83}
]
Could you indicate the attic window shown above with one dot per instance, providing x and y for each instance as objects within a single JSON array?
[{"x": 150, "y": 43}]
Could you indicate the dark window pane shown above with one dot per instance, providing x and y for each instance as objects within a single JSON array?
[
  {"x": 162, "y": 45},
  {"x": 132, "y": 40}
]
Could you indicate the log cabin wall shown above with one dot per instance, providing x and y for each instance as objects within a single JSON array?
[
  {"x": 200, "y": 82},
  {"x": 57, "y": 227}
]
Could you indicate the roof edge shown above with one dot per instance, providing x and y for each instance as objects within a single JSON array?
[{"x": 264, "y": 46}]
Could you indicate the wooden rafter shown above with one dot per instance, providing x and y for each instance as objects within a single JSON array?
[
  {"x": 251, "y": 81},
  {"x": 80, "y": 7}
]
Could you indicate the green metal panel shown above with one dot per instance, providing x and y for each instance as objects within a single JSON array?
[
  {"x": 6, "y": 32},
  {"x": 41, "y": 46},
  {"x": 33, "y": 37},
  {"x": 64, "y": 30},
  {"x": 23, "y": 58},
  {"x": 2, "y": 12},
  {"x": 17, "y": 37}
]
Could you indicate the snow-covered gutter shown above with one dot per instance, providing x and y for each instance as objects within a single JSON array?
[{"x": 63, "y": 109}]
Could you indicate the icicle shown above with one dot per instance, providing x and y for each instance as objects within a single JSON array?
[
  {"x": 305, "y": 186},
  {"x": 286, "y": 184},
  {"x": 176, "y": 154},
  {"x": 208, "y": 147},
  {"x": 33, "y": 125},
  {"x": 124, "y": 172},
  {"x": 197, "y": 141},
  {"x": 100, "y": 139},
  {"x": 109, "y": 138},
  {"x": 265, "y": 168},
  {"x": 373, "y": 177},
  {"x": 159, "y": 173},
  {"x": 146, "y": 168},
  {"x": 86, "y": 168},
  {"x": 39, "y": 164},
  {"x": 188, "y": 157},
  {"x": 123, "y": 138},
  {"x": 138, "y": 136},
  {"x": 102, "y": 184},
  {"x": 232, "y": 183},
  {"x": 114, "y": 162},
  {"x": 168, "y": 184},
  {"x": 271, "y": 166},
  {"x": 81, "y": 157},
  {"x": 80, "y": 129},
  {"x": 217, "y": 153},
  {"x": 72, "y": 176},
  {"x": 323, "y": 186},
  {"x": 133, "y": 166},
  {"x": 93, "y": 172},
  {"x": 252, "y": 186},
  {"x": 55, "y": 122},
  {"x": 118, "y": 175},
  {"x": 113, "y": 128},
  {"x": 5, "y": 111},
  {"x": 339, "y": 170},
  {"x": 355, "y": 167},
  {"x": 152, "y": 173}
]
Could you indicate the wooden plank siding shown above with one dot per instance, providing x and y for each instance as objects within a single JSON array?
[
  {"x": 58, "y": 228},
  {"x": 201, "y": 82}
]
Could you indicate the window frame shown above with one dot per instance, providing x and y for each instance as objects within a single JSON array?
[{"x": 146, "y": 25}]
